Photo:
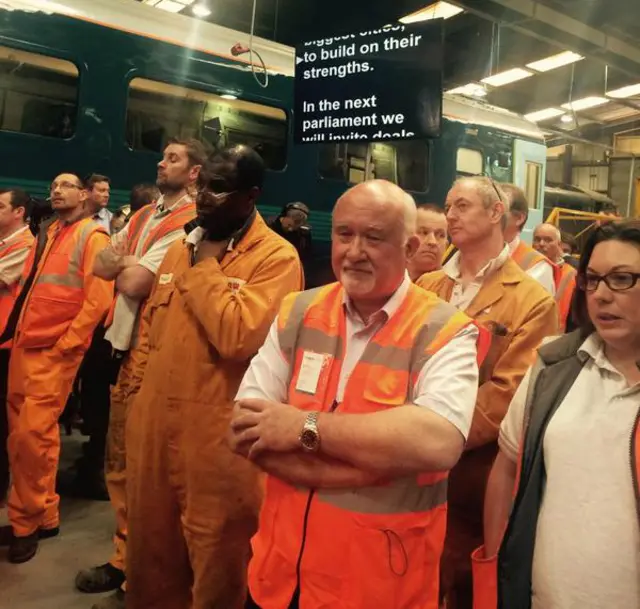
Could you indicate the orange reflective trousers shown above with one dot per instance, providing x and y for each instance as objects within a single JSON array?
[
  {"x": 40, "y": 381},
  {"x": 122, "y": 394}
]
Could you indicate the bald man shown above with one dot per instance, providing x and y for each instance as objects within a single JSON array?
[
  {"x": 547, "y": 240},
  {"x": 431, "y": 228},
  {"x": 356, "y": 407}
]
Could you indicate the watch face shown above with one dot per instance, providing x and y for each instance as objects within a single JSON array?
[{"x": 309, "y": 439}]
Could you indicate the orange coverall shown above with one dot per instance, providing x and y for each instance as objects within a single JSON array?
[
  {"x": 40, "y": 380},
  {"x": 520, "y": 313},
  {"x": 193, "y": 504}
]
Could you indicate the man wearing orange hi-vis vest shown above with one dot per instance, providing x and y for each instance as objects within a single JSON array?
[
  {"x": 547, "y": 240},
  {"x": 64, "y": 303},
  {"x": 133, "y": 259},
  {"x": 528, "y": 259},
  {"x": 357, "y": 406},
  {"x": 15, "y": 242}
]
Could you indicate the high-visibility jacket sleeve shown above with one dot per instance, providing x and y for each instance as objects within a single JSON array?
[
  {"x": 98, "y": 295},
  {"x": 237, "y": 320},
  {"x": 495, "y": 395},
  {"x": 12, "y": 264}
]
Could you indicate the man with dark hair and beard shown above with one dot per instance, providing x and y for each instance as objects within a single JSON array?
[
  {"x": 133, "y": 259},
  {"x": 192, "y": 503}
]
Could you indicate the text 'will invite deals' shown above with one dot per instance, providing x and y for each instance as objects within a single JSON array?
[{"x": 380, "y": 84}]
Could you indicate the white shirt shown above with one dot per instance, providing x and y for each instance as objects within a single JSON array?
[
  {"x": 447, "y": 384},
  {"x": 462, "y": 297},
  {"x": 11, "y": 265},
  {"x": 542, "y": 272},
  {"x": 125, "y": 316},
  {"x": 103, "y": 218},
  {"x": 587, "y": 548}
]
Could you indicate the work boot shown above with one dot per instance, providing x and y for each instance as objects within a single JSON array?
[
  {"x": 23, "y": 549},
  {"x": 113, "y": 601},
  {"x": 103, "y": 578},
  {"x": 7, "y": 536}
]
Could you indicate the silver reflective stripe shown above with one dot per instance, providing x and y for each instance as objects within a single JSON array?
[
  {"x": 67, "y": 281},
  {"x": 288, "y": 336},
  {"x": 438, "y": 319},
  {"x": 564, "y": 284},
  {"x": 77, "y": 255},
  {"x": 402, "y": 496},
  {"x": 528, "y": 259},
  {"x": 311, "y": 339}
]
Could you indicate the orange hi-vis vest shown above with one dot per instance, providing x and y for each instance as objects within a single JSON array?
[
  {"x": 378, "y": 546},
  {"x": 8, "y": 294},
  {"x": 565, "y": 279},
  {"x": 526, "y": 257},
  {"x": 57, "y": 294},
  {"x": 173, "y": 221}
]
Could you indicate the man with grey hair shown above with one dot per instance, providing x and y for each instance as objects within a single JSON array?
[
  {"x": 484, "y": 281},
  {"x": 356, "y": 407},
  {"x": 528, "y": 259}
]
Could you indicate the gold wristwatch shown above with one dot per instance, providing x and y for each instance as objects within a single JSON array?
[{"x": 310, "y": 435}]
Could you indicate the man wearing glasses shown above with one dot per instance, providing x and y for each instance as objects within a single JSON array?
[
  {"x": 132, "y": 259},
  {"x": 64, "y": 303},
  {"x": 484, "y": 281},
  {"x": 192, "y": 503}
]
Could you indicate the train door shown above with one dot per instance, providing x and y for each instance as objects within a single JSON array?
[{"x": 529, "y": 171}]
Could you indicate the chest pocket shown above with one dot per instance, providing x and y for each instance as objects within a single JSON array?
[
  {"x": 501, "y": 337},
  {"x": 157, "y": 313}
]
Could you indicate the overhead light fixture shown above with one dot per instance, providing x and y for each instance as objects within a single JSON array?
[
  {"x": 628, "y": 91},
  {"x": 437, "y": 10},
  {"x": 585, "y": 102},
  {"x": 543, "y": 115},
  {"x": 566, "y": 118},
  {"x": 201, "y": 10},
  {"x": 507, "y": 77},
  {"x": 229, "y": 96},
  {"x": 555, "y": 61},
  {"x": 472, "y": 89},
  {"x": 171, "y": 6}
]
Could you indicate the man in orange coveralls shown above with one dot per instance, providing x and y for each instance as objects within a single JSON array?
[
  {"x": 64, "y": 304},
  {"x": 192, "y": 503}
]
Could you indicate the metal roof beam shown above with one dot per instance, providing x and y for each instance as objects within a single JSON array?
[{"x": 539, "y": 21}]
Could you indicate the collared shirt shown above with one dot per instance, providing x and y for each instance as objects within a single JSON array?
[
  {"x": 462, "y": 296},
  {"x": 542, "y": 272},
  {"x": 125, "y": 316},
  {"x": 103, "y": 218},
  {"x": 587, "y": 549},
  {"x": 447, "y": 384},
  {"x": 11, "y": 265}
]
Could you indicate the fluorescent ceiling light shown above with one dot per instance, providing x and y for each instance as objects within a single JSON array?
[
  {"x": 437, "y": 10},
  {"x": 170, "y": 5},
  {"x": 623, "y": 92},
  {"x": 543, "y": 115},
  {"x": 585, "y": 102},
  {"x": 505, "y": 78},
  {"x": 201, "y": 10},
  {"x": 566, "y": 118},
  {"x": 555, "y": 61},
  {"x": 471, "y": 89},
  {"x": 228, "y": 96}
]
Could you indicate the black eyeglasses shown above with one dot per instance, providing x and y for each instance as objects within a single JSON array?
[
  {"x": 495, "y": 187},
  {"x": 618, "y": 281}
]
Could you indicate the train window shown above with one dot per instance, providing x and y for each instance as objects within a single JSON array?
[
  {"x": 469, "y": 162},
  {"x": 158, "y": 111},
  {"x": 38, "y": 94},
  {"x": 405, "y": 163},
  {"x": 532, "y": 177}
]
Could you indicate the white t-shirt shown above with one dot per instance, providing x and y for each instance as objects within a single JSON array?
[
  {"x": 587, "y": 547},
  {"x": 121, "y": 332}
]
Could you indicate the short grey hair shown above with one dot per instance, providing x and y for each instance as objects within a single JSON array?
[
  {"x": 490, "y": 192},
  {"x": 556, "y": 230}
]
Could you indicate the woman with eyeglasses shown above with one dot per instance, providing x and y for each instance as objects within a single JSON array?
[{"x": 570, "y": 447}]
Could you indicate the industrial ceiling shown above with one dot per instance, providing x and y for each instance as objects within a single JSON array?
[{"x": 573, "y": 66}]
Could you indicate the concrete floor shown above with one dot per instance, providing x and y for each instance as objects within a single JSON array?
[{"x": 46, "y": 581}]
